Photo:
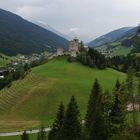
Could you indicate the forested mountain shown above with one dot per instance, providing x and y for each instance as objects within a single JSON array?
[
  {"x": 112, "y": 36},
  {"x": 18, "y": 35}
]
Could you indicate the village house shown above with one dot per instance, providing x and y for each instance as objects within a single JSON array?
[
  {"x": 136, "y": 105},
  {"x": 3, "y": 72},
  {"x": 1, "y": 77}
]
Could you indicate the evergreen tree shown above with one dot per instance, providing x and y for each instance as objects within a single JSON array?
[
  {"x": 92, "y": 58},
  {"x": 56, "y": 132},
  {"x": 72, "y": 123},
  {"x": 130, "y": 85},
  {"x": 42, "y": 134},
  {"x": 118, "y": 85},
  {"x": 117, "y": 116},
  {"x": 139, "y": 92},
  {"x": 130, "y": 81},
  {"x": 24, "y": 136},
  {"x": 95, "y": 121},
  {"x": 139, "y": 87},
  {"x": 94, "y": 96}
]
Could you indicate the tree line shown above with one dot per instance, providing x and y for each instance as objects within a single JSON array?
[
  {"x": 90, "y": 57},
  {"x": 123, "y": 63},
  {"x": 95, "y": 59}
]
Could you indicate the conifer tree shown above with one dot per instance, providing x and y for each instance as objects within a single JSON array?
[
  {"x": 56, "y": 132},
  {"x": 25, "y": 136},
  {"x": 72, "y": 122},
  {"x": 130, "y": 85},
  {"x": 118, "y": 85},
  {"x": 139, "y": 92},
  {"x": 139, "y": 87},
  {"x": 42, "y": 134},
  {"x": 95, "y": 122},
  {"x": 117, "y": 116},
  {"x": 94, "y": 97}
]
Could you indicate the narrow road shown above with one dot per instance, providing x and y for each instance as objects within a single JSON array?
[
  {"x": 21, "y": 132},
  {"x": 29, "y": 132}
]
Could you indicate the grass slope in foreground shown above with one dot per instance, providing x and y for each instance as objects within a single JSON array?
[
  {"x": 35, "y": 99},
  {"x": 31, "y": 136}
]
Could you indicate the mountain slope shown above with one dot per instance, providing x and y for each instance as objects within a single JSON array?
[
  {"x": 49, "y": 28},
  {"x": 129, "y": 43},
  {"x": 111, "y": 37},
  {"x": 21, "y": 36}
]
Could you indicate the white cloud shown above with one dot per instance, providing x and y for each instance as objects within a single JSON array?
[{"x": 74, "y": 29}]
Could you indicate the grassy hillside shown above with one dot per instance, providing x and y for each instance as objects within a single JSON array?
[
  {"x": 119, "y": 49},
  {"x": 4, "y": 59},
  {"x": 34, "y": 100},
  {"x": 3, "y": 62},
  {"x": 32, "y": 137},
  {"x": 115, "y": 49}
]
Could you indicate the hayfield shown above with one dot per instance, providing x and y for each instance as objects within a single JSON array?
[{"x": 34, "y": 100}]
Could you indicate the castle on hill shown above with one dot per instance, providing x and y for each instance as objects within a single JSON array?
[
  {"x": 74, "y": 47},
  {"x": 73, "y": 50}
]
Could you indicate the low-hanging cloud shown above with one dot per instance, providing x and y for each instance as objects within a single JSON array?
[{"x": 89, "y": 18}]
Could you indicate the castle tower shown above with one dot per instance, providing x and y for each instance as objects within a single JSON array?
[{"x": 74, "y": 47}]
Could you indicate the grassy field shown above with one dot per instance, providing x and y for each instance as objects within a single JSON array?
[
  {"x": 5, "y": 59},
  {"x": 34, "y": 100},
  {"x": 116, "y": 49},
  {"x": 121, "y": 50},
  {"x": 32, "y": 137},
  {"x": 3, "y": 62},
  {"x": 12, "y": 138}
]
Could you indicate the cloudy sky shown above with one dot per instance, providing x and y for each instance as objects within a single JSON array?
[{"x": 86, "y": 19}]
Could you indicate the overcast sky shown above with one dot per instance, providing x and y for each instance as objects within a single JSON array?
[{"x": 87, "y": 19}]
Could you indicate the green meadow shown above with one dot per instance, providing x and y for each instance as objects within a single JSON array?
[
  {"x": 122, "y": 50},
  {"x": 3, "y": 62},
  {"x": 32, "y": 137},
  {"x": 5, "y": 59},
  {"x": 33, "y": 101}
]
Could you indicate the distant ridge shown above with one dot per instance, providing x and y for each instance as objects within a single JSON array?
[
  {"x": 112, "y": 36},
  {"x": 18, "y": 35}
]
